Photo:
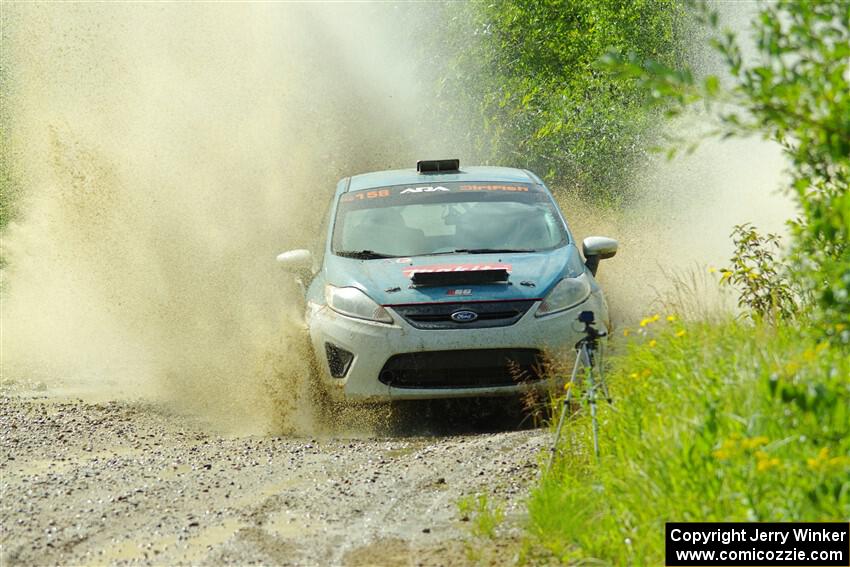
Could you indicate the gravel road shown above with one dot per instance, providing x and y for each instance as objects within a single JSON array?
[{"x": 130, "y": 483}]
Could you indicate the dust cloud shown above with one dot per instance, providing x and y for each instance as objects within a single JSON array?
[
  {"x": 169, "y": 152},
  {"x": 678, "y": 225}
]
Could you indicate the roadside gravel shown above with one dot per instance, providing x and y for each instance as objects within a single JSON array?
[{"x": 130, "y": 483}]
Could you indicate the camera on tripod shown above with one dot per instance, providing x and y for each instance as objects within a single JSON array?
[
  {"x": 588, "y": 358},
  {"x": 591, "y": 335}
]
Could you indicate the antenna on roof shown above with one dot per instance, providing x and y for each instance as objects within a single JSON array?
[{"x": 437, "y": 165}]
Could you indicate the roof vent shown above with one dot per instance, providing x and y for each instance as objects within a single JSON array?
[{"x": 437, "y": 165}]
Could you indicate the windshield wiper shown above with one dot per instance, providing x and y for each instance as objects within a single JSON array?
[
  {"x": 492, "y": 250},
  {"x": 363, "y": 254}
]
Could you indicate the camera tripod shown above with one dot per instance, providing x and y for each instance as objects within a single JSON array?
[{"x": 587, "y": 358}]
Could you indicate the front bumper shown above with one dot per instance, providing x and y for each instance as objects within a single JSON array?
[{"x": 373, "y": 344}]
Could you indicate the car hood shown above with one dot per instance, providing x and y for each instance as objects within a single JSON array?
[{"x": 388, "y": 281}]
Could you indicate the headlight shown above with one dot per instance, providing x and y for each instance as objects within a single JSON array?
[
  {"x": 568, "y": 293},
  {"x": 354, "y": 303}
]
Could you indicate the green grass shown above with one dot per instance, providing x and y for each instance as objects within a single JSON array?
[
  {"x": 729, "y": 421},
  {"x": 485, "y": 515}
]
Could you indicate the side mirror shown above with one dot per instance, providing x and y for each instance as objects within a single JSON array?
[
  {"x": 596, "y": 248},
  {"x": 296, "y": 260}
]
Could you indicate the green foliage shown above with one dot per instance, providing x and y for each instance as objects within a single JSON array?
[
  {"x": 764, "y": 288},
  {"x": 727, "y": 422},
  {"x": 485, "y": 515},
  {"x": 796, "y": 90},
  {"x": 529, "y": 71}
]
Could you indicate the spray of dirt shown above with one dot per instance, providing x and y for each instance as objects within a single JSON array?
[
  {"x": 169, "y": 152},
  {"x": 677, "y": 226}
]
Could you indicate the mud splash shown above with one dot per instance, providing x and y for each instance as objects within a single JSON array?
[
  {"x": 169, "y": 153},
  {"x": 678, "y": 228}
]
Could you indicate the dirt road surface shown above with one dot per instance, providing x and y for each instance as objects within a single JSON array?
[{"x": 130, "y": 483}]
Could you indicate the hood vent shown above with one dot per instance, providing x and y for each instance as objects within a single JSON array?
[{"x": 473, "y": 277}]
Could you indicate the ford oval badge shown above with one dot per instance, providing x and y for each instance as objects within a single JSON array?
[{"x": 464, "y": 316}]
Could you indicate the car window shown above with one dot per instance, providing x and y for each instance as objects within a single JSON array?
[{"x": 412, "y": 221}]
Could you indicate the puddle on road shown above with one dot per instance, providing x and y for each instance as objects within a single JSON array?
[
  {"x": 387, "y": 552},
  {"x": 192, "y": 550},
  {"x": 404, "y": 451},
  {"x": 201, "y": 544},
  {"x": 123, "y": 551},
  {"x": 275, "y": 488},
  {"x": 61, "y": 464},
  {"x": 37, "y": 467},
  {"x": 251, "y": 498},
  {"x": 287, "y": 525},
  {"x": 174, "y": 471},
  {"x": 132, "y": 550}
]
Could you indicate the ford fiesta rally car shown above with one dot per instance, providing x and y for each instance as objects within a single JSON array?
[{"x": 440, "y": 283}]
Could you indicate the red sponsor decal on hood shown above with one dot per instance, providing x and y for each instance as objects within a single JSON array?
[{"x": 440, "y": 268}]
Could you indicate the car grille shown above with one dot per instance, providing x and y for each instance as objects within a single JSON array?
[
  {"x": 339, "y": 360},
  {"x": 439, "y": 315},
  {"x": 480, "y": 368}
]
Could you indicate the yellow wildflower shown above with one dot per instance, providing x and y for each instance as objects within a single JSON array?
[
  {"x": 680, "y": 333},
  {"x": 634, "y": 376},
  {"x": 725, "y": 275},
  {"x": 711, "y": 269},
  {"x": 838, "y": 462},
  {"x": 754, "y": 442},
  {"x": 652, "y": 343},
  {"x": 765, "y": 462},
  {"x": 726, "y": 450},
  {"x": 671, "y": 318},
  {"x": 820, "y": 459},
  {"x": 823, "y": 461}
]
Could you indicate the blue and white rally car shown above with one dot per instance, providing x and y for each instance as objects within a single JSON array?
[{"x": 438, "y": 282}]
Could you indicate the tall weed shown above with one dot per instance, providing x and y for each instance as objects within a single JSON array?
[{"x": 736, "y": 421}]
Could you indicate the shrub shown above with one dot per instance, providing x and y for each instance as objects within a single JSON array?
[
  {"x": 796, "y": 91},
  {"x": 726, "y": 422},
  {"x": 526, "y": 72},
  {"x": 763, "y": 285}
]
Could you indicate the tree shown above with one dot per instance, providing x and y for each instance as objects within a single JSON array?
[
  {"x": 527, "y": 71},
  {"x": 796, "y": 91}
]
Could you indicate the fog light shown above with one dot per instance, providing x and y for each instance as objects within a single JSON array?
[{"x": 339, "y": 360}]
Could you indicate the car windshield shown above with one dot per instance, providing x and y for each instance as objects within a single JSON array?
[{"x": 419, "y": 220}]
